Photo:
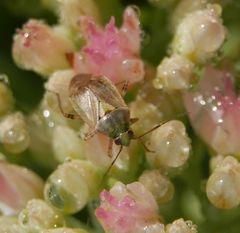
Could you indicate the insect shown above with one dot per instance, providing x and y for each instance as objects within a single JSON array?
[{"x": 88, "y": 94}]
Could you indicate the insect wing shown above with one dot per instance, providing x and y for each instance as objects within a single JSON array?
[
  {"x": 84, "y": 101},
  {"x": 106, "y": 92}
]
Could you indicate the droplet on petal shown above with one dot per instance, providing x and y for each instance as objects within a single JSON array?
[
  {"x": 14, "y": 134},
  {"x": 72, "y": 185}
]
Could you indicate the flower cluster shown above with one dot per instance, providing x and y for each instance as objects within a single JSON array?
[{"x": 109, "y": 148}]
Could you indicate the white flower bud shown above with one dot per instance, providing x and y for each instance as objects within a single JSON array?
[
  {"x": 159, "y": 185},
  {"x": 71, "y": 10},
  {"x": 64, "y": 230},
  {"x": 181, "y": 226},
  {"x": 72, "y": 185},
  {"x": 147, "y": 113},
  {"x": 59, "y": 83},
  {"x": 200, "y": 34},
  {"x": 39, "y": 215},
  {"x": 10, "y": 225},
  {"x": 6, "y": 99},
  {"x": 14, "y": 133},
  {"x": 66, "y": 144},
  {"x": 41, "y": 48},
  {"x": 223, "y": 186},
  {"x": 174, "y": 73},
  {"x": 170, "y": 145}
]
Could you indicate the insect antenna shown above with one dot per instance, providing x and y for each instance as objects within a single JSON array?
[{"x": 112, "y": 163}]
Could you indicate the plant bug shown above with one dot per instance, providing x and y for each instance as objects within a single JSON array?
[{"x": 90, "y": 96}]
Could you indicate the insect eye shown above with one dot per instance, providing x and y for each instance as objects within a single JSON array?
[
  {"x": 117, "y": 141},
  {"x": 130, "y": 134}
]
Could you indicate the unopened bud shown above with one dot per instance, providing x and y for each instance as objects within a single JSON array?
[
  {"x": 39, "y": 215},
  {"x": 181, "y": 226},
  {"x": 14, "y": 133},
  {"x": 223, "y": 186},
  {"x": 72, "y": 185},
  {"x": 66, "y": 144},
  {"x": 174, "y": 73},
  {"x": 200, "y": 34},
  {"x": 159, "y": 185},
  {"x": 59, "y": 83},
  {"x": 6, "y": 98},
  {"x": 170, "y": 145},
  {"x": 41, "y": 48}
]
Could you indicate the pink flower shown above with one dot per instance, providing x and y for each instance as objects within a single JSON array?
[
  {"x": 112, "y": 52},
  {"x": 127, "y": 209},
  {"x": 17, "y": 186},
  {"x": 214, "y": 110}
]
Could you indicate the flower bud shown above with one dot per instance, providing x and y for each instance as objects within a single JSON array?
[
  {"x": 41, "y": 48},
  {"x": 18, "y": 185},
  {"x": 160, "y": 186},
  {"x": 128, "y": 208},
  {"x": 14, "y": 133},
  {"x": 38, "y": 215},
  {"x": 59, "y": 83},
  {"x": 111, "y": 51},
  {"x": 170, "y": 145},
  {"x": 6, "y": 98},
  {"x": 66, "y": 144},
  {"x": 174, "y": 73},
  {"x": 10, "y": 225},
  {"x": 147, "y": 113},
  {"x": 64, "y": 230},
  {"x": 72, "y": 10},
  {"x": 181, "y": 226},
  {"x": 72, "y": 185},
  {"x": 200, "y": 34},
  {"x": 223, "y": 186}
]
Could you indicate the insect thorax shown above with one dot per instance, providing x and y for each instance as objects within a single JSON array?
[{"x": 114, "y": 123}]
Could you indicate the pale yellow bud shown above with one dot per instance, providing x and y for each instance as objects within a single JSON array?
[
  {"x": 159, "y": 185},
  {"x": 10, "y": 225},
  {"x": 39, "y": 215},
  {"x": 41, "y": 48},
  {"x": 72, "y": 10},
  {"x": 147, "y": 113},
  {"x": 170, "y": 145},
  {"x": 181, "y": 226},
  {"x": 223, "y": 186},
  {"x": 72, "y": 185},
  {"x": 174, "y": 73},
  {"x": 59, "y": 83},
  {"x": 6, "y": 98},
  {"x": 66, "y": 144},
  {"x": 14, "y": 133},
  {"x": 64, "y": 230},
  {"x": 200, "y": 34}
]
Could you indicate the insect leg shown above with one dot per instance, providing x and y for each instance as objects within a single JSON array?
[
  {"x": 112, "y": 163},
  {"x": 110, "y": 145},
  {"x": 89, "y": 135},
  {"x": 67, "y": 115},
  {"x": 124, "y": 87}
]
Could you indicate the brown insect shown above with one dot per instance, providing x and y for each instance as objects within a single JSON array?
[{"x": 88, "y": 94}]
